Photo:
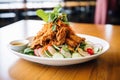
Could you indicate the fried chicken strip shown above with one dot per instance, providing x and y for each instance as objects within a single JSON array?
[
  {"x": 76, "y": 38},
  {"x": 71, "y": 43}
]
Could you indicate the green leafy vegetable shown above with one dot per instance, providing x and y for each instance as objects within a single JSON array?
[
  {"x": 42, "y": 14},
  {"x": 64, "y": 18},
  {"x": 54, "y": 27},
  {"x": 51, "y": 16},
  {"x": 65, "y": 48},
  {"x": 82, "y": 45},
  {"x": 57, "y": 9},
  {"x": 29, "y": 51}
]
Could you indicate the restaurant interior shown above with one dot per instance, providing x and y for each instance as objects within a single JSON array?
[{"x": 81, "y": 11}]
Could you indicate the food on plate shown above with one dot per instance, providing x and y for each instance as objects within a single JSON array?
[{"x": 57, "y": 40}]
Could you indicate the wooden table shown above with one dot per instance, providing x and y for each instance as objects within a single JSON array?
[{"x": 105, "y": 67}]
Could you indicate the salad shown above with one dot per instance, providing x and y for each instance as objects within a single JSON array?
[
  {"x": 57, "y": 40},
  {"x": 52, "y": 51}
]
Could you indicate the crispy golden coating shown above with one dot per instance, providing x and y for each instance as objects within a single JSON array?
[
  {"x": 71, "y": 43},
  {"x": 77, "y": 39},
  {"x": 43, "y": 37},
  {"x": 62, "y": 35}
]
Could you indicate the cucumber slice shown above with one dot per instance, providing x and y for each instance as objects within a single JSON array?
[
  {"x": 47, "y": 53},
  {"x": 66, "y": 54},
  {"x": 97, "y": 48},
  {"x": 76, "y": 55},
  {"x": 65, "y": 48},
  {"x": 57, "y": 48},
  {"x": 57, "y": 55},
  {"x": 51, "y": 50},
  {"x": 82, "y": 53}
]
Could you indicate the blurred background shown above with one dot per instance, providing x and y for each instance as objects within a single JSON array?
[{"x": 82, "y": 11}]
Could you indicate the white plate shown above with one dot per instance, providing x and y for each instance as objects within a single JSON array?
[{"x": 67, "y": 61}]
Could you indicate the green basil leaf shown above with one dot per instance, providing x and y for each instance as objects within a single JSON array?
[
  {"x": 57, "y": 9},
  {"x": 64, "y": 17},
  {"x": 44, "y": 16},
  {"x": 51, "y": 17}
]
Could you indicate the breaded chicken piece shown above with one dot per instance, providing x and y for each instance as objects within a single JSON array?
[
  {"x": 71, "y": 43},
  {"x": 44, "y": 36},
  {"x": 76, "y": 38},
  {"x": 43, "y": 30},
  {"x": 71, "y": 48},
  {"x": 62, "y": 35}
]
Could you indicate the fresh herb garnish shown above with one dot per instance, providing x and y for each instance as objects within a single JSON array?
[
  {"x": 57, "y": 9},
  {"x": 49, "y": 16},
  {"x": 64, "y": 17},
  {"x": 53, "y": 16},
  {"x": 43, "y": 15},
  {"x": 54, "y": 27}
]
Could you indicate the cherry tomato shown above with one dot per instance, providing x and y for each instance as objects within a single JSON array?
[{"x": 90, "y": 51}]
